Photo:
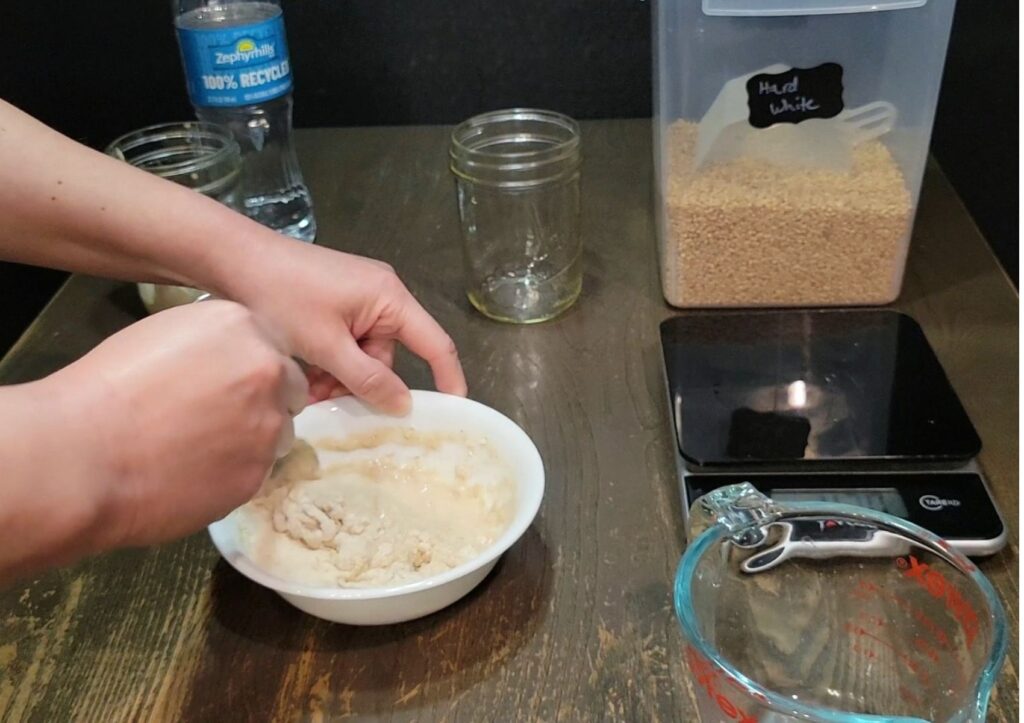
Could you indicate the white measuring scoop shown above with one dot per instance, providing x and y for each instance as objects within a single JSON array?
[{"x": 725, "y": 134}]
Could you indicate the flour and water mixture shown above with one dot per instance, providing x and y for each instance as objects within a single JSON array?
[{"x": 378, "y": 508}]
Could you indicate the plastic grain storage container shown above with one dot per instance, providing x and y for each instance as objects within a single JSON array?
[{"x": 791, "y": 138}]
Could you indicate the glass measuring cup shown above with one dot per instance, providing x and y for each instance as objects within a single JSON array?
[{"x": 828, "y": 612}]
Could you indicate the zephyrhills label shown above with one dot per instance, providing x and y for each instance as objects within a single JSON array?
[{"x": 235, "y": 66}]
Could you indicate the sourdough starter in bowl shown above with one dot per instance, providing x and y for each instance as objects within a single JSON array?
[{"x": 378, "y": 508}]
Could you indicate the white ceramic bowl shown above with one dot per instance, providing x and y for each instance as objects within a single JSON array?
[{"x": 378, "y": 606}]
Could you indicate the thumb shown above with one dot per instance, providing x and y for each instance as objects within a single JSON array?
[{"x": 369, "y": 379}]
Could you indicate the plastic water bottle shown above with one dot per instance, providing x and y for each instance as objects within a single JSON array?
[{"x": 238, "y": 75}]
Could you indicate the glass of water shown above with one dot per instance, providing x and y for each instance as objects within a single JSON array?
[
  {"x": 197, "y": 155},
  {"x": 517, "y": 180}
]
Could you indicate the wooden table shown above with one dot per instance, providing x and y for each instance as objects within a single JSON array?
[{"x": 577, "y": 622}]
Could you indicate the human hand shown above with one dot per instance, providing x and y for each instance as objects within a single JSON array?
[
  {"x": 179, "y": 417},
  {"x": 339, "y": 312},
  {"x": 343, "y": 314}
]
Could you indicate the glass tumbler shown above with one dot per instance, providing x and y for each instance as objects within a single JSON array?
[
  {"x": 517, "y": 183},
  {"x": 201, "y": 156}
]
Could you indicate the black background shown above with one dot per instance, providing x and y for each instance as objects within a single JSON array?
[{"x": 98, "y": 68}]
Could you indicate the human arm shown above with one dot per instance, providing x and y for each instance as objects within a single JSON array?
[
  {"x": 70, "y": 207},
  {"x": 162, "y": 428}
]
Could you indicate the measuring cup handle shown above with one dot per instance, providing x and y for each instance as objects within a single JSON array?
[{"x": 869, "y": 121}]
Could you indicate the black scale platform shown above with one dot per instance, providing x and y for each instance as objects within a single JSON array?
[{"x": 845, "y": 405}]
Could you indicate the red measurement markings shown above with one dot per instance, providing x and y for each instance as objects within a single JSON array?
[
  {"x": 866, "y": 590},
  {"x": 926, "y": 648},
  {"x": 934, "y": 641},
  {"x": 936, "y": 584},
  {"x": 710, "y": 678},
  {"x": 923, "y": 675},
  {"x": 866, "y": 652}
]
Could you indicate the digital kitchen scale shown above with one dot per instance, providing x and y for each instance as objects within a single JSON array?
[{"x": 843, "y": 406}]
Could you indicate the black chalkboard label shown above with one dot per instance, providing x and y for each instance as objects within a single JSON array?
[{"x": 795, "y": 95}]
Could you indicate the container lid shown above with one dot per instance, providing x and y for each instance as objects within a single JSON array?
[
  {"x": 794, "y": 388},
  {"x": 764, "y": 8}
]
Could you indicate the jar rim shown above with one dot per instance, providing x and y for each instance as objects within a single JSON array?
[
  {"x": 558, "y": 148},
  {"x": 223, "y": 148}
]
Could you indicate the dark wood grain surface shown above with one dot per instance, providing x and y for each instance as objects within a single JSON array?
[{"x": 576, "y": 623}]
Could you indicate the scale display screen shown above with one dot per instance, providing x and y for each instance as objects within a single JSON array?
[{"x": 882, "y": 499}]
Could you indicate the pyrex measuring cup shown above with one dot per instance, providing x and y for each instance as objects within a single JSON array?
[{"x": 829, "y": 612}]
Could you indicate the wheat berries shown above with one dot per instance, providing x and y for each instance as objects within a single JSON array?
[{"x": 748, "y": 233}]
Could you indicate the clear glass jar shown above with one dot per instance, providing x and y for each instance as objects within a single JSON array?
[
  {"x": 517, "y": 182},
  {"x": 201, "y": 156}
]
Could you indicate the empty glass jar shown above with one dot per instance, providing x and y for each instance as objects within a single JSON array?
[
  {"x": 517, "y": 181},
  {"x": 201, "y": 156}
]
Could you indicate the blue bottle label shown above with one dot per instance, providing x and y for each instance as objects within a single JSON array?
[{"x": 227, "y": 67}]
